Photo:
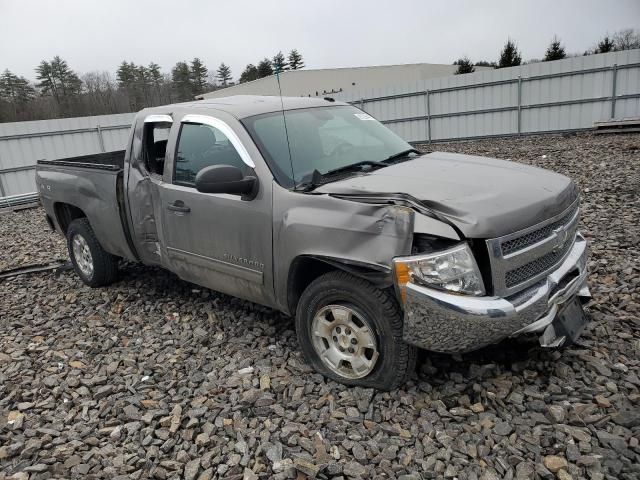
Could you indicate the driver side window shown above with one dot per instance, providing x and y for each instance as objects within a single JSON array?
[{"x": 201, "y": 146}]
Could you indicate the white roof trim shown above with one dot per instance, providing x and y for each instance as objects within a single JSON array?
[{"x": 224, "y": 128}]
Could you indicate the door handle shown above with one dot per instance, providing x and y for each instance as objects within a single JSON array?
[{"x": 178, "y": 206}]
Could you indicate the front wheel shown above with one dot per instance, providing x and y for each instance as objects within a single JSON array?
[
  {"x": 95, "y": 266},
  {"x": 351, "y": 332}
]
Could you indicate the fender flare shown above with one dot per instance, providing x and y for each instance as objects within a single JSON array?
[{"x": 381, "y": 276}]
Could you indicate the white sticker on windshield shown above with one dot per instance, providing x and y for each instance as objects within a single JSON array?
[{"x": 364, "y": 116}]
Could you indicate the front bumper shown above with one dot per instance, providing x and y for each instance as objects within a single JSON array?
[{"x": 443, "y": 322}]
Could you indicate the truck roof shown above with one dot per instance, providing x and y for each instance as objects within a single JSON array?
[{"x": 242, "y": 106}]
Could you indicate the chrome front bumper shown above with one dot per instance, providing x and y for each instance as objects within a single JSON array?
[{"x": 443, "y": 322}]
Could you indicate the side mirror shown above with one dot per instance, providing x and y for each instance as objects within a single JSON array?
[{"x": 226, "y": 179}]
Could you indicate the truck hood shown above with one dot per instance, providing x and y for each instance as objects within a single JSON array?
[{"x": 483, "y": 197}]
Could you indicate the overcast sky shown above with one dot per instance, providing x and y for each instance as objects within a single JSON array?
[{"x": 98, "y": 35}]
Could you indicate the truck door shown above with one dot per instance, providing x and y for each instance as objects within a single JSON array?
[
  {"x": 216, "y": 240},
  {"x": 142, "y": 178}
]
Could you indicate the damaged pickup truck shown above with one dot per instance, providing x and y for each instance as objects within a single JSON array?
[{"x": 314, "y": 208}]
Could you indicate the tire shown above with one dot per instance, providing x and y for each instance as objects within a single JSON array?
[
  {"x": 98, "y": 268},
  {"x": 366, "y": 305}
]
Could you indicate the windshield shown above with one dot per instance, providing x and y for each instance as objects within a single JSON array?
[{"x": 322, "y": 139}]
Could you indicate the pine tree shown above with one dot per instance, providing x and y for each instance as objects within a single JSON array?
[
  {"x": 295, "y": 60},
  {"x": 17, "y": 92},
  {"x": 279, "y": 63},
  {"x": 249, "y": 74},
  {"x": 15, "y": 89},
  {"x": 605, "y": 45},
  {"x": 464, "y": 66},
  {"x": 555, "y": 51},
  {"x": 198, "y": 76},
  {"x": 57, "y": 79},
  {"x": 264, "y": 68},
  {"x": 484, "y": 63},
  {"x": 181, "y": 81},
  {"x": 154, "y": 73},
  {"x": 46, "y": 81},
  {"x": 156, "y": 80},
  {"x": 125, "y": 75},
  {"x": 69, "y": 80},
  {"x": 509, "y": 57},
  {"x": 143, "y": 84},
  {"x": 223, "y": 74},
  {"x": 136, "y": 82}
]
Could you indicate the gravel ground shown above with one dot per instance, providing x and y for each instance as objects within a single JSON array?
[{"x": 154, "y": 377}]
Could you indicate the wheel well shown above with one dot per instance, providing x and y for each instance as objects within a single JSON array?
[
  {"x": 65, "y": 214},
  {"x": 306, "y": 268},
  {"x": 303, "y": 271}
]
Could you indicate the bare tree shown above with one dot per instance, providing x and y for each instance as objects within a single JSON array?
[
  {"x": 100, "y": 93},
  {"x": 626, "y": 39}
]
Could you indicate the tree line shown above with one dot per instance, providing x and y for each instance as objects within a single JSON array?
[
  {"x": 510, "y": 56},
  {"x": 59, "y": 91},
  {"x": 266, "y": 67}
]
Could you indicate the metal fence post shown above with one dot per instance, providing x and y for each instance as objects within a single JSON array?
[
  {"x": 519, "y": 104},
  {"x": 100, "y": 138},
  {"x": 613, "y": 90},
  {"x": 362, "y": 104},
  {"x": 2, "y": 192},
  {"x": 428, "y": 116}
]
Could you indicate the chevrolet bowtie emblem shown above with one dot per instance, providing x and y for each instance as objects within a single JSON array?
[{"x": 561, "y": 238}]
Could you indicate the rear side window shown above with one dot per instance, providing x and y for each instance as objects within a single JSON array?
[
  {"x": 201, "y": 146},
  {"x": 155, "y": 146}
]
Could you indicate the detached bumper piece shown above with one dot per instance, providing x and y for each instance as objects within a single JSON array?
[{"x": 443, "y": 322}]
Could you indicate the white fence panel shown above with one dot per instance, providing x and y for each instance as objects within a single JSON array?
[
  {"x": 563, "y": 95},
  {"x": 22, "y": 144}
]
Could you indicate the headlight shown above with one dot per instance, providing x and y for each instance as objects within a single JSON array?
[{"x": 454, "y": 270}]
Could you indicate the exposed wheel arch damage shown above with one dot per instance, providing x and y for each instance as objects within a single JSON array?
[
  {"x": 306, "y": 268},
  {"x": 366, "y": 235}
]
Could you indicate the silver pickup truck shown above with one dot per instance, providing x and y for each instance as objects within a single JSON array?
[{"x": 314, "y": 208}]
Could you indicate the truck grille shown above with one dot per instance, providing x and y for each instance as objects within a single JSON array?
[
  {"x": 520, "y": 259},
  {"x": 531, "y": 238},
  {"x": 532, "y": 269}
]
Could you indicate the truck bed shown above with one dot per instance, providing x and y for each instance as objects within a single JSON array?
[
  {"x": 93, "y": 185},
  {"x": 112, "y": 161}
]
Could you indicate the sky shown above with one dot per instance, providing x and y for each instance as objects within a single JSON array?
[{"x": 98, "y": 35}]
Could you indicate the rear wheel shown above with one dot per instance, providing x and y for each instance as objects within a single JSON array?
[
  {"x": 95, "y": 266},
  {"x": 351, "y": 332}
]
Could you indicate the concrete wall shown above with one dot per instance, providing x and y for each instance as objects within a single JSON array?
[{"x": 324, "y": 82}]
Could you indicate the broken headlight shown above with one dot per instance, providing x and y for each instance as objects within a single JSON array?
[{"x": 454, "y": 270}]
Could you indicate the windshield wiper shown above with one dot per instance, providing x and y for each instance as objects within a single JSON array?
[
  {"x": 398, "y": 155},
  {"x": 318, "y": 178},
  {"x": 354, "y": 167},
  {"x": 315, "y": 182}
]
